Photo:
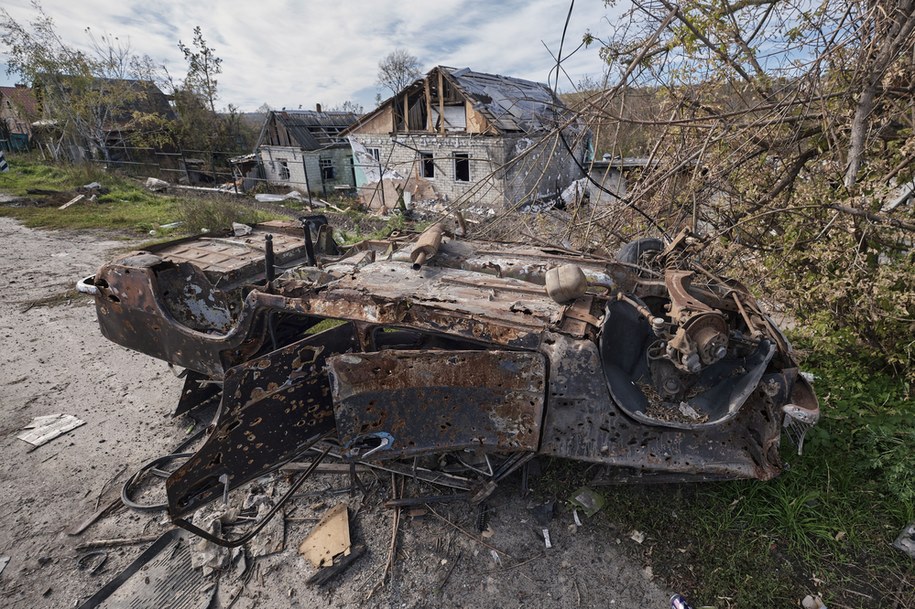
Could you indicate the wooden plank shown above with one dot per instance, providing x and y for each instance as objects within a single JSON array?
[
  {"x": 75, "y": 199},
  {"x": 117, "y": 542},
  {"x": 89, "y": 520},
  {"x": 441, "y": 102},
  {"x": 329, "y": 538},
  {"x": 429, "y": 126},
  {"x": 406, "y": 112},
  {"x": 324, "y": 468},
  {"x": 476, "y": 122}
]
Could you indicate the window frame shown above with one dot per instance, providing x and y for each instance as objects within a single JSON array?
[
  {"x": 427, "y": 165},
  {"x": 328, "y": 171},
  {"x": 283, "y": 169},
  {"x": 464, "y": 159}
]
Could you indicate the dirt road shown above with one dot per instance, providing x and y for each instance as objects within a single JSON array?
[{"x": 54, "y": 360}]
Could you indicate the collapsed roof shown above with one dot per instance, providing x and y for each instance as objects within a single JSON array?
[
  {"x": 306, "y": 129},
  {"x": 504, "y": 104},
  {"x": 510, "y": 104}
]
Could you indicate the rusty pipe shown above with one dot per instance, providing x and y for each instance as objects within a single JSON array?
[
  {"x": 657, "y": 323},
  {"x": 754, "y": 331},
  {"x": 427, "y": 245}
]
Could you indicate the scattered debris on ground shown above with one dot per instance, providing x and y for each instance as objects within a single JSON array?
[
  {"x": 45, "y": 428},
  {"x": 906, "y": 540}
]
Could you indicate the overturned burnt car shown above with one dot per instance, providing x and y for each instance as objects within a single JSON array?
[{"x": 456, "y": 360}]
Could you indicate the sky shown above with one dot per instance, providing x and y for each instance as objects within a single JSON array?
[{"x": 289, "y": 54}]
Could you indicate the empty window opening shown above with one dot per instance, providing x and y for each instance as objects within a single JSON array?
[
  {"x": 327, "y": 169},
  {"x": 284, "y": 168},
  {"x": 461, "y": 167},
  {"x": 427, "y": 164},
  {"x": 375, "y": 152}
]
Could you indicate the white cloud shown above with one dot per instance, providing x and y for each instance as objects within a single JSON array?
[{"x": 298, "y": 53}]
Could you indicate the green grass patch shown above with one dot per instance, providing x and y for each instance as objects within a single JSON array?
[
  {"x": 44, "y": 187},
  {"x": 824, "y": 526},
  {"x": 126, "y": 206},
  {"x": 324, "y": 324}
]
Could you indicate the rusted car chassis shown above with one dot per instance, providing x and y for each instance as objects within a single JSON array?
[{"x": 457, "y": 359}]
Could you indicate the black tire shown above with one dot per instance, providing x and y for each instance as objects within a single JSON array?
[{"x": 635, "y": 252}]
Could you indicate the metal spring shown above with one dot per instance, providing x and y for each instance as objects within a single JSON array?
[{"x": 482, "y": 517}]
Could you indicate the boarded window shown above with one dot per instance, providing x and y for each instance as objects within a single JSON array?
[
  {"x": 427, "y": 164},
  {"x": 284, "y": 168},
  {"x": 461, "y": 167},
  {"x": 455, "y": 118},
  {"x": 327, "y": 169}
]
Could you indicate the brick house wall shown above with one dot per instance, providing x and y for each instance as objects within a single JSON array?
[
  {"x": 328, "y": 170},
  {"x": 536, "y": 171}
]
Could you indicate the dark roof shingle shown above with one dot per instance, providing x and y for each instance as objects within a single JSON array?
[
  {"x": 510, "y": 104},
  {"x": 313, "y": 130},
  {"x": 23, "y": 99}
]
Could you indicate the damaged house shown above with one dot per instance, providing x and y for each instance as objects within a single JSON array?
[
  {"x": 18, "y": 108},
  {"x": 95, "y": 118},
  {"x": 459, "y": 135},
  {"x": 304, "y": 149}
]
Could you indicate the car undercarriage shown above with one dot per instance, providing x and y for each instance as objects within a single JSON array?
[{"x": 456, "y": 360}]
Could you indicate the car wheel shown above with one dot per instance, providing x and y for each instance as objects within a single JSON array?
[{"x": 641, "y": 251}]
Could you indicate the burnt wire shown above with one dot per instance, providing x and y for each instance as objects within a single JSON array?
[
  {"x": 625, "y": 200},
  {"x": 234, "y": 543}
]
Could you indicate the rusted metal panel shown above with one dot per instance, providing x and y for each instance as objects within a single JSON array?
[
  {"x": 511, "y": 260},
  {"x": 440, "y": 299},
  {"x": 272, "y": 406},
  {"x": 426, "y": 402},
  {"x": 584, "y": 423},
  {"x": 232, "y": 259},
  {"x": 133, "y": 312}
]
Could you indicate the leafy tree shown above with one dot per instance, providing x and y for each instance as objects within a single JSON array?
[
  {"x": 198, "y": 126},
  {"x": 784, "y": 131},
  {"x": 348, "y": 106},
  {"x": 86, "y": 93},
  {"x": 202, "y": 68},
  {"x": 397, "y": 70}
]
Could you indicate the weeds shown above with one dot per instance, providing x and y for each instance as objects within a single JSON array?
[
  {"x": 824, "y": 526},
  {"x": 125, "y": 205},
  {"x": 216, "y": 214},
  {"x": 64, "y": 297}
]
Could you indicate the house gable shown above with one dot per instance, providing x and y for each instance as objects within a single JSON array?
[
  {"x": 461, "y": 136},
  {"x": 451, "y": 101}
]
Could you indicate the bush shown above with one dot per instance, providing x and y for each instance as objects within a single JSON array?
[{"x": 215, "y": 214}]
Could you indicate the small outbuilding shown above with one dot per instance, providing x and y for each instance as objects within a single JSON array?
[{"x": 304, "y": 149}]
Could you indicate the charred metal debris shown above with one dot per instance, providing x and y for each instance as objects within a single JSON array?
[{"x": 456, "y": 361}]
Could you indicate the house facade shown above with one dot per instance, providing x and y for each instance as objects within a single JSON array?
[
  {"x": 304, "y": 149},
  {"x": 482, "y": 141}
]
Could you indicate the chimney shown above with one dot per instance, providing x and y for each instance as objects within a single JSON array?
[{"x": 317, "y": 107}]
